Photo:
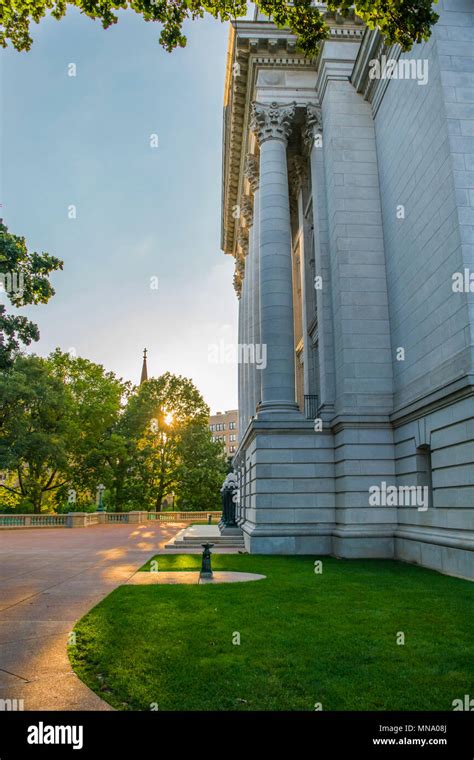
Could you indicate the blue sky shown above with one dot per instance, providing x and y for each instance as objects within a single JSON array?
[{"x": 142, "y": 212}]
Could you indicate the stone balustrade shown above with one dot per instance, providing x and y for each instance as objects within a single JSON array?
[{"x": 85, "y": 519}]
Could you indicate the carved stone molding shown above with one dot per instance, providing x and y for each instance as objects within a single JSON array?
[
  {"x": 313, "y": 126},
  {"x": 297, "y": 173},
  {"x": 243, "y": 240},
  {"x": 239, "y": 273},
  {"x": 246, "y": 209},
  {"x": 251, "y": 171},
  {"x": 272, "y": 121}
]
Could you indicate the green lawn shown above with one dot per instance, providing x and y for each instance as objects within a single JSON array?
[{"x": 305, "y": 638}]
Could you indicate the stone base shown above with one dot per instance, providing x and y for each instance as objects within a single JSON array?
[
  {"x": 446, "y": 559},
  {"x": 306, "y": 492},
  {"x": 274, "y": 544},
  {"x": 228, "y": 531},
  {"x": 360, "y": 547}
]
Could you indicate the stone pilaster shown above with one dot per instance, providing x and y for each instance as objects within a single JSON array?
[
  {"x": 362, "y": 349},
  {"x": 312, "y": 135}
]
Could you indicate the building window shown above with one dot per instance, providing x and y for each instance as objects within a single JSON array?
[
  {"x": 231, "y": 425},
  {"x": 232, "y": 449},
  {"x": 232, "y": 437},
  {"x": 424, "y": 471}
]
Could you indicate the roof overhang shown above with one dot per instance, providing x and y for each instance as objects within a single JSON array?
[{"x": 256, "y": 45}]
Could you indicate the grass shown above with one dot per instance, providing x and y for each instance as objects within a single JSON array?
[{"x": 306, "y": 638}]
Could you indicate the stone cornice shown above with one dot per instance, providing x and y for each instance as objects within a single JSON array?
[
  {"x": 372, "y": 49},
  {"x": 239, "y": 273},
  {"x": 251, "y": 171},
  {"x": 243, "y": 240},
  {"x": 246, "y": 209}
]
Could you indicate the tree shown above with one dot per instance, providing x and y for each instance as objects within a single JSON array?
[
  {"x": 24, "y": 279},
  {"x": 201, "y": 470},
  {"x": 141, "y": 454},
  {"x": 161, "y": 445},
  {"x": 97, "y": 398},
  {"x": 36, "y": 431},
  {"x": 53, "y": 412},
  {"x": 400, "y": 21}
]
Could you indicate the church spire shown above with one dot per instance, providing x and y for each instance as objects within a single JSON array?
[{"x": 144, "y": 376}]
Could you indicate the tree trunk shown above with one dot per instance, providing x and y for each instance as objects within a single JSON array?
[{"x": 37, "y": 499}]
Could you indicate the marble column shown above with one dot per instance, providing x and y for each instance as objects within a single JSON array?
[
  {"x": 272, "y": 125},
  {"x": 243, "y": 246},
  {"x": 238, "y": 286},
  {"x": 239, "y": 366},
  {"x": 252, "y": 174},
  {"x": 248, "y": 216}
]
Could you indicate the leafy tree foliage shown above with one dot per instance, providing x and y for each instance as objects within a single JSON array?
[
  {"x": 24, "y": 278},
  {"x": 199, "y": 479},
  {"x": 52, "y": 413},
  {"x": 67, "y": 425},
  {"x": 401, "y": 21},
  {"x": 37, "y": 429},
  {"x": 148, "y": 455}
]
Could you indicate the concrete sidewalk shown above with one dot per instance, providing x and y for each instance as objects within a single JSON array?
[{"x": 49, "y": 578}]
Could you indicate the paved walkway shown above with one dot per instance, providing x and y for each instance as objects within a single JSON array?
[{"x": 49, "y": 578}]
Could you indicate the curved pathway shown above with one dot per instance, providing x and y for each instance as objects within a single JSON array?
[{"x": 49, "y": 578}]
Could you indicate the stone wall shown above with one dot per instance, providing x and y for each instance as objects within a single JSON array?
[{"x": 425, "y": 147}]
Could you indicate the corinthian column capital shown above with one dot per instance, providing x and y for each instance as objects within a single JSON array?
[
  {"x": 251, "y": 171},
  {"x": 272, "y": 121},
  {"x": 313, "y": 125}
]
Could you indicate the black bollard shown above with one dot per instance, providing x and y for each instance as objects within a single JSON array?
[{"x": 206, "y": 570}]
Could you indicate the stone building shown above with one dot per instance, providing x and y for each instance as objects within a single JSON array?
[
  {"x": 348, "y": 206},
  {"x": 224, "y": 427}
]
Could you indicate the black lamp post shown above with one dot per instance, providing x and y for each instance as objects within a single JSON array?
[{"x": 206, "y": 570}]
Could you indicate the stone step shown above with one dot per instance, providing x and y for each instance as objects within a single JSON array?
[
  {"x": 195, "y": 536},
  {"x": 231, "y": 544}
]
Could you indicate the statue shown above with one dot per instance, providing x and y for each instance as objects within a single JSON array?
[{"x": 227, "y": 522}]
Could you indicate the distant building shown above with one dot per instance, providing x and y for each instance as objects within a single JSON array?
[{"x": 224, "y": 426}]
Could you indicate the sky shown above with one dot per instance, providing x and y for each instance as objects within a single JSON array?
[{"x": 142, "y": 259}]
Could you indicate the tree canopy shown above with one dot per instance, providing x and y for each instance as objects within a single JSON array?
[
  {"x": 158, "y": 446},
  {"x": 400, "y": 21},
  {"x": 52, "y": 412},
  {"x": 24, "y": 278}
]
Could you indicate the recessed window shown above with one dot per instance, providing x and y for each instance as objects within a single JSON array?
[{"x": 424, "y": 471}]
